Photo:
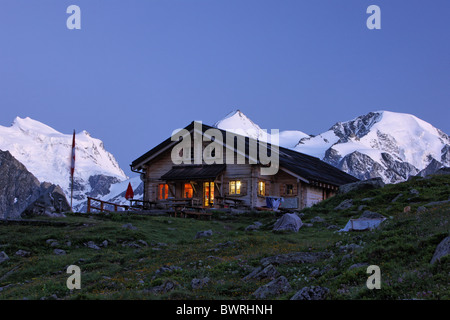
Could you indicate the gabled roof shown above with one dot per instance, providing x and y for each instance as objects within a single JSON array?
[{"x": 304, "y": 166}]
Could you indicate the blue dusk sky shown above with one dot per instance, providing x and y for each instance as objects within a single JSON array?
[{"x": 138, "y": 69}]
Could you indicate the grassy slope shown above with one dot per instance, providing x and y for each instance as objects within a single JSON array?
[{"x": 403, "y": 247}]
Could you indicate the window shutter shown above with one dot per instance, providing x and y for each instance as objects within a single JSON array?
[
  {"x": 243, "y": 187},
  {"x": 295, "y": 189},
  {"x": 282, "y": 189},
  {"x": 267, "y": 189}
]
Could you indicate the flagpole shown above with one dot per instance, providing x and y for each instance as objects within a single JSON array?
[
  {"x": 72, "y": 169},
  {"x": 71, "y": 195}
]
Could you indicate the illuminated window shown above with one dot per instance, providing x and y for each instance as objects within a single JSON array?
[
  {"x": 163, "y": 191},
  {"x": 289, "y": 189},
  {"x": 261, "y": 188},
  {"x": 235, "y": 187},
  {"x": 188, "y": 191},
  {"x": 208, "y": 194}
]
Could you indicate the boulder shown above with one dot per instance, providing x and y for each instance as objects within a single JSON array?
[
  {"x": 22, "y": 253},
  {"x": 373, "y": 183},
  {"x": 197, "y": 284},
  {"x": 288, "y": 222},
  {"x": 3, "y": 257},
  {"x": 51, "y": 202},
  {"x": 166, "y": 287},
  {"x": 129, "y": 226},
  {"x": 167, "y": 269},
  {"x": 203, "y": 234},
  {"x": 346, "y": 204},
  {"x": 92, "y": 245},
  {"x": 18, "y": 187},
  {"x": 253, "y": 227},
  {"x": 274, "y": 288},
  {"x": 59, "y": 252},
  {"x": 311, "y": 293},
  {"x": 442, "y": 250},
  {"x": 371, "y": 215},
  {"x": 269, "y": 272},
  {"x": 295, "y": 257},
  {"x": 317, "y": 219}
]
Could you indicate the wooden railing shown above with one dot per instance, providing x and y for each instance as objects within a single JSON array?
[
  {"x": 134, "y": 205},
  {"x": 102, "y": 205}
]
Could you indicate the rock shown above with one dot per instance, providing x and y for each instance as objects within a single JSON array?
[
  {"x": 350, "y": 247},
  {"x": 104, "y": 244},
  {"x": 437, "y": 203},
  {"x": 371, "y": 215},
  {"x": 442, "y": 250},
  {"x": 288, "y": 222},
  {"x": 346, "y": 204},
  {"x": 101, "y": 185},
  {"x": 18, "y": 187},
  {"x": 345, "y": 258},
  {"x": 54, "y": 244},
  {"x": 199, "y": 283},
  {"x": 311, "y": 293},
  {"x": 132, "y": 244},
  {"x": 253, "y": 227},
  {"x": 397, "y": 197},
  {"x": 22, "y": 253},
  {"x": 414, "y": 191},
  {"x": 52, "y": 202},
  {"x": 317, "y": 219},
  {"x": 51, "y": 242},
  {"x": 361, "y": 207},
  {"x": 3, "y": 257},
  {"x": 145, "y": 244},
  {"x": 421, "y": 209},
  {"x": 275, "y": 287},
  {"x": 269, "y": 272},
  {"x": 295, "y": 257},
  {"x": 129, "y": 226},
  {"x": 203, "y": 234},
  {"x": 92, "y": 245},
  {"x": 59, "y": 252},
  {"x": 443, "y": 171},
  {"x": 166, "y": 287},
  {"x": 373, "y": 183},
  {"x": 358, "y": 265},
  {"x": 167, "y": 269}
]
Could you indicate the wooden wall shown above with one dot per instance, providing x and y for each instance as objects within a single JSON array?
[{"x": 304, "y": 195}]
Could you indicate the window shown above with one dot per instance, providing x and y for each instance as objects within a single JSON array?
[
  {"x": 235, "y": 187},
  {"x": 208, "y": 194},
  {"x": 188, "y": 191},
  {"x": 163, "y": 191},
  {"x": 261, "y": 188},
  {"x": 289, "y": 189}
]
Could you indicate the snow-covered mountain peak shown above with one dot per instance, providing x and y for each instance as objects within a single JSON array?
[
  {"x": 238, "y": 122},
  {"x": 33, "y": 127},
  {"x": 46, "y": 154},
  {"x": 398, "y": 144}
]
